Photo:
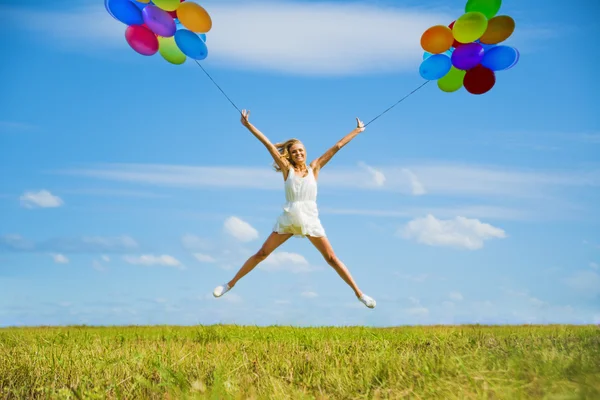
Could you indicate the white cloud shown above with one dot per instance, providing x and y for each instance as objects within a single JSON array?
[
  {"x": 456, "y": 296},
  {"x": 151, "y": 260},
  {"x": 195, "y": 243},
  {"x": 97, "y": 265},
  {"x": 60, "y": 259},
  {"x": 285, "y": 261},
  {"x": 105, "y": 258},
  {"x": 460, "y": 232},
  {"x": 86, "y": 244},
  {"x": 594, "y": 265},
  {"x": 239, "y": 229},
  {"x": 378, "y": 178},
  {"x": 416, "y": 186},
  {"x": 437, "y": 178},
  {"x": 293, "y": 37},
  {"x": 585, "y": 282},
  {"x": 204, "y": 258},
  {"x": 309, "y": 295},
  {"x": 42, "y": 199}
]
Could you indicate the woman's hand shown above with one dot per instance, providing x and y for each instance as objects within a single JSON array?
[
  {"x": 245, "y": 117},
  {"x": 360, "y": 126}
]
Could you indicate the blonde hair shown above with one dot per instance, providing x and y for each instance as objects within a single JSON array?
[{"x": 284, "y": 151}]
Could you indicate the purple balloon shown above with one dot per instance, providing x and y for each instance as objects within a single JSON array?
[
  {"x": 159, "y": 21},
  {"x": 467, "y": 56}
]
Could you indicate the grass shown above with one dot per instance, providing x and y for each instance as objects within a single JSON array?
[{"x": 233, "y": 362}]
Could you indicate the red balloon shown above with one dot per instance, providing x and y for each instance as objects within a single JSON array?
[
  {"x": 456, "y": 43},
  {"x": 141, "y": 39},
  {"x": 479, "y": 80}
]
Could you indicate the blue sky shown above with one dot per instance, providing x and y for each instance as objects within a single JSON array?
[{"x": 130, "y": 189}]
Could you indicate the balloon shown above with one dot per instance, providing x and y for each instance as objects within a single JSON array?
[
  {"x": 194, "y": 17},
  {"x": 191, "y": 44},
  {"x": 203, "y": 37},
  {"x": 486, "y": 47},
  {"x": 169, "y": 50},
  {"x": 479, "y": 80},
  {"x": 437, "y": 39},
  {"x": 435, "y": 67},
  {"x": 173, "y": 13},
  {"x": 167, "y": 5},
  {"x": 141, "y": 40},
  {"x": 427, "y": 54},
  {"x": 470, "y": 27},
  {"x": 140, "y": 4},
  {"x": 500, "y": 58},
  {"x": 499, "y": 29},
  {"x": 124, "y": 11},
  {"x": 467, "y": 56},
  {"x": 159, "y": 21},
  {"x": 489, "y": 8},
  {"x": 456, "y": 44},
  {"x": 452, "y": 81}
]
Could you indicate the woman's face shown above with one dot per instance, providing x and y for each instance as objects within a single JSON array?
[{"x": 298, "y": 153}]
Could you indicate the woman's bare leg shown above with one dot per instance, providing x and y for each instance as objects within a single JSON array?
[
  {"x": 322, "y": 244},
  {"x": 273, "y": 241}
]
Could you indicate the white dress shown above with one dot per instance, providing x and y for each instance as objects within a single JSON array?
[{"x": 300, "y": 215}]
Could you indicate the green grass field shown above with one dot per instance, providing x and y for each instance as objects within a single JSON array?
[{"x": 222, "y": 362}]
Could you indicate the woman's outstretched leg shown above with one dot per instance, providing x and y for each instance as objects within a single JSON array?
[
  {"x": 273, "y": 241},
  {"x": 322, "y": 244}
]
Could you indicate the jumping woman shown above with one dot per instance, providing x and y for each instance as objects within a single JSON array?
[{"x": 300, "y": 216}]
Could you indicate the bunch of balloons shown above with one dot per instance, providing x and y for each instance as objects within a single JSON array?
[
  {"x": 467, "y": 52},
  {"x": 174, "y": 28}
]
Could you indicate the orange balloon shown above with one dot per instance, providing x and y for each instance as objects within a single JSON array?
[
  {"x": 194, "y": 17},
  {"x": 499, "y": 29},
  {"x": 437, "y": 39}
]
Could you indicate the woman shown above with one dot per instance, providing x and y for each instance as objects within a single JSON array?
[{"x": 300, "y": 216}]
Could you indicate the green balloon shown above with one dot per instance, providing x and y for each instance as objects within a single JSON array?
[
  {"x": 489, "y": 8},
  {"x": 167, "y": 47},
  {"x": 452, "y": 81}
]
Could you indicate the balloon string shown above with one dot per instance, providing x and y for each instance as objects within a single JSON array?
[
  {"x": 367, "y": 124},
  {"x": 219, "y": 87},
  {"x": 398, "y": 102}
]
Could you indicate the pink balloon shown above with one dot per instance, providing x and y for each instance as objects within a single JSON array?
[{"x": 142, "y": 40}]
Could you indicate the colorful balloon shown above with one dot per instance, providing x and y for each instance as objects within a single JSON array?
[
  {"x": 173, "y": 13},
  {"x": 499, "y": 29},
  {"x": 159, "y": 21},
  {"x": 141, "y": 39},
  {"x": 194, "y": 17},
  {"x": 452, "y": 81},
  {"x": 124, "y": 11},
  {"x": 489, "y": 8},
  {"x": 456, "y": 44},
  {"x": 167, "y": 5},
  {"x": 427, "y": 54},
  {"x": 470, "y": 27},
  {"x": 437, "y": 39},
  {"x": 500, "y": 58},
  {"x": 169, "y": 50},
  {"x": 435, "y": 67},
  {"x": 467, "y": 56},
  {"x": 191, "y": 44},
  {"x": 479, "y": 80}
]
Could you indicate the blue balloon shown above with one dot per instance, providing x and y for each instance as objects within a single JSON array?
[
  {"x": 191, "y": 44},
  {"x": 427, "y": 54},
  {"x": 124, "y": 11},
  {"x": 435, "y": 67},
  {"x": 500, "y": 58},
  {"x": 203, "y": 37},
  {"x": 141, "y": 6}
]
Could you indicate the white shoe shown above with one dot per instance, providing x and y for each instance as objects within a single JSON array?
[
  {"x": 367, "y": 301},
  {"x": 221, "y": 290}
]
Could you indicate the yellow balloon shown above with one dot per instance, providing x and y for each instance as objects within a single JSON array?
[
  {"x": 469, "y": 27},
  {"x": 452, "y": 81},
  {"x": 167, "y": 47},
  {"x": 194, "y": 17},
  {"x": 167, "y": 5},
  {"x": 143, "y": 1}
]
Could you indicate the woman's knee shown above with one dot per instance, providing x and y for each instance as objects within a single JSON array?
[
  {"x": 331, "y": 259},
  {"x": 262, "y": 254}
]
